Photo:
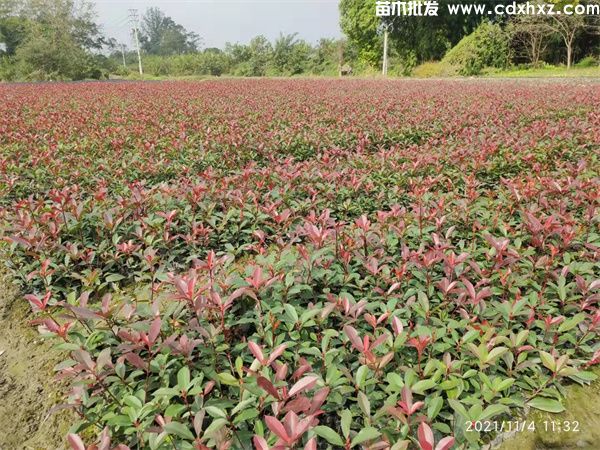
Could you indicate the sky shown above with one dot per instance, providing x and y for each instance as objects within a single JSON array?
[{"x": 221, "y": 21}]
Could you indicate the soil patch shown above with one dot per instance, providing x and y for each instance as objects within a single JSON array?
[{"x": 28, "y": 390}]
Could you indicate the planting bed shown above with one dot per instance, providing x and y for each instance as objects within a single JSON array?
[{"x": 303, "y": 264}]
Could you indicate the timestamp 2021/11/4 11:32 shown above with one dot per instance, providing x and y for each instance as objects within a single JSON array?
[{"x": 507, "y": 426}]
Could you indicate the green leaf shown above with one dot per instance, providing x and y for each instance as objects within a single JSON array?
[
  {"x": 470, "y": 373},
  {"x": 395, "y": 381},
  {"x": 346, "y": 416},
  {"x": 434, "y": 408},
  {"x": 174, "y": 410},
  {"x": 242, "y": 405},
  {"x": 291, "y": 312},
  {"x": 546, "y": 404},
  {"x": 215, "y": 426},
  {"x": 571, "y": 323},
  {"x": 459, "y": 408},
  {"x": 178, "y": 429},
  {"x": 114, "y": 277},
  {"x": 364, "y": 403},
  {"x": 423, "y": 385},
  {"x": 493, "y": 411},
  {"x": 183, "y": 377},
  {"x": 329, "y": 435},
  {"x": 548, "y": 361},
  {"x": 449, "y": 384},
  {"x": 470, "y": 336},
  {"x": 495, "y": 353},
  {"x": 215, "y": 412},
  {"x": 361, "y": 376},
  {"x": 133, "y": 401},
  {"x": 364, "y": 435},
  {"x": 505, "y": 384},
  {"x": 561, "y": 289},
  {"x": 584, "y": 377},
  {"x": 247, "y": 414},
  {"x": 227, "y": 378}
]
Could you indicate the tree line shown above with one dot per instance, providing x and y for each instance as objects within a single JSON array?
[
  {"x": 60, "y": 39},
  {"x": 470, "y": 41}
]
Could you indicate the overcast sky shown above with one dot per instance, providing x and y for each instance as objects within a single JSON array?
[{"x": 221, "y": 21}]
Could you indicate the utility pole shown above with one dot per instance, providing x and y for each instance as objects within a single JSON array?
[
  {"x": 123, "y": 53},
  {"x": 385, "y": 51},
  {"x": 133, "y": 15}
]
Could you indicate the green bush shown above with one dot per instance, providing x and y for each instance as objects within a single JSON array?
[
  {"x": 8, "y": 71},
  {"x": 403, "y": 64},
  {"x": 207, "y": 63},
  {"x": 487, "y": 46},
  {"x": 433, "y": 69},
  {"x": 588, "y": 61}
]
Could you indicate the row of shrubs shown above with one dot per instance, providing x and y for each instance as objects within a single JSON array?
[{"x": 487, "y": 49}]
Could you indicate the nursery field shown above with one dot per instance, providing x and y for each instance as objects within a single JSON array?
[{"x": 289, "y": 264}]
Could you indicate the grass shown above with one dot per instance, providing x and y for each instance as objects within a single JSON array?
[{"x": 548, "y": 72}]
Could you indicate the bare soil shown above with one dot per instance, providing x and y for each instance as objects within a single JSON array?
[{"x": 28, "y": 390}]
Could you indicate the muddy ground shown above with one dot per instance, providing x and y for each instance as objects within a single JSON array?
[
  {"x": 27, "y": 387},
  {"x": 577, "y": 428}
]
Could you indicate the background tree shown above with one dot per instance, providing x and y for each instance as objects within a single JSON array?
[
  {"x": 13, "y": 31},
  {"x": 530, "y": 37},
  {"x": 161, "y": 35},
  {"x": 329, "y": 55},
  {"x": 250, "y": 60},
  {"x": 52, "y": 39},
  {"x": 290, "y": 55},
  {"x": 411, "y": 37},
  {"x": 567, "y": 26},
  {"x": 362, "y": 27}
]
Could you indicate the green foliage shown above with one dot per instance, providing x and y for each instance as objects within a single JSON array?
[
  {"x": 50, "y": 54},
  {"x": 51, "y": 39},
  {"x": 205, "y": 63},
  {"x": 588, "y": 61},
  {"x": 287, "y": 56},
  {"x": 487, "y": 46},
  {"x": 161, "y": 35},
  {"x": 290, "y": 56},
  {"x": 8, "y": 68},
  {"x": 13, "y": 31},
  {"x": 432, "y": 69},
  {"x": 252, "y": 59},
  {"x": 360, "y": 24}
]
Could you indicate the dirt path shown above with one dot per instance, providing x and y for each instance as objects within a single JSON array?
[
  {"x": 582, "y": 417},
  {"x": 27, "y": 387}
]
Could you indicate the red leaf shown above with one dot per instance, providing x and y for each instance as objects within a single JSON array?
[
  {"x": 154, "y": 330},
  {"x": 256, "y": 351},
  {"x": 84, "y": 358},
  {"x": 276, "y": 353},
  {"x": 84, "y": 313},
  {"x": 75, "y": 442},
  {"x": 277, "y": 428},
  {"x": 267, "y": 386},
  {"x": 425, "y": 436},
  {"x": 260, "y": 443},
  {"x": 354, "y": 339},
  {"x": 311, "y": 445},
  {"x": 303, "y": 384},
  {"x": 445, "y": 444},
  {"x": 135, "y": 360},
  {"x": 397, "y": 326}
]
